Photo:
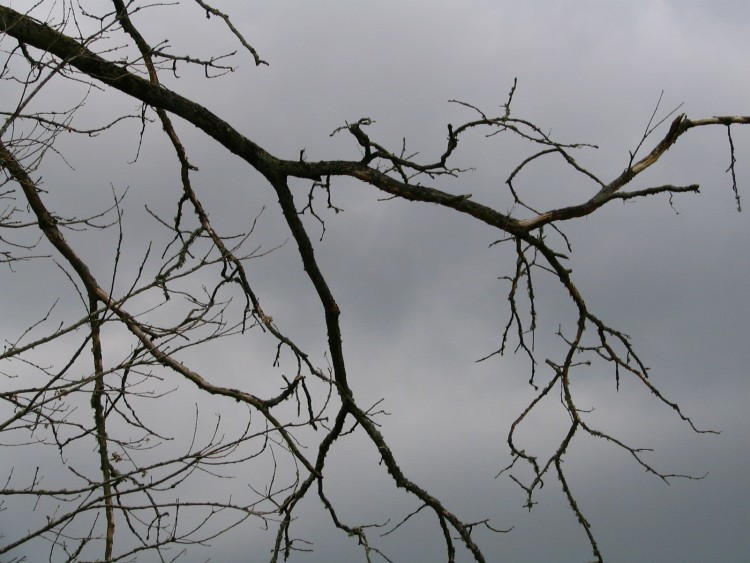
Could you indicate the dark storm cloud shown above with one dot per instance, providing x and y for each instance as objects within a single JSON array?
[{"x": 418, "y": 286}]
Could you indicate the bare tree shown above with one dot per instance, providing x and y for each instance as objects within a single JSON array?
[{"x": 82, "y": 383}]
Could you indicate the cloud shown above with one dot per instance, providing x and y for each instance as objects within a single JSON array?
[{"x": 419, "y": 288}]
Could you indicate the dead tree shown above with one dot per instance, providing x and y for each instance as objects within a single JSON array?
[{"x": 81, "y": 383}]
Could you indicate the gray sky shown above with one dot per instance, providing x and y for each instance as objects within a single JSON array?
[{"x": 419, "y": 287}]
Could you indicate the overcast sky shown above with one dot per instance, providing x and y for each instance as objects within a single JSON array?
[{"x": 418, "y": 286}]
